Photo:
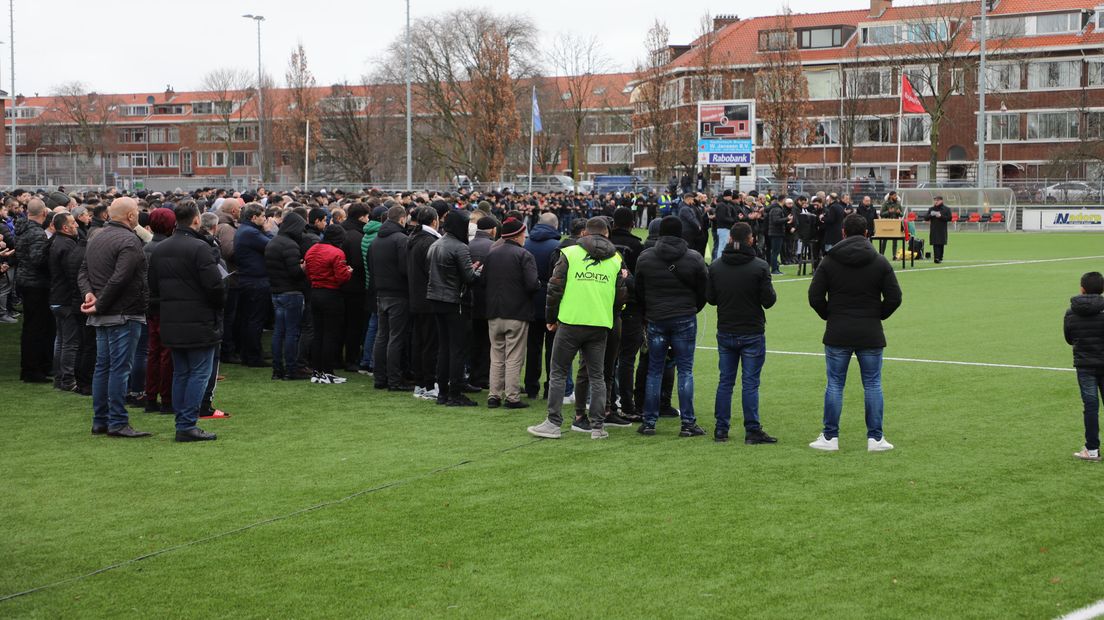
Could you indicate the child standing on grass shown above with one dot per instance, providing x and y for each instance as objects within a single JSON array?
[{"x": 1084, "y": 329}]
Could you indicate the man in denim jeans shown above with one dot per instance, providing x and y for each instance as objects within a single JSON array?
[
  {"x": 288, "y": 283},
  {"x": 670, "y": 283},
  {"x": 740, "y": 286},
  {"x": 854, "y": 289},
  {"x": 1083, "y": 327}
]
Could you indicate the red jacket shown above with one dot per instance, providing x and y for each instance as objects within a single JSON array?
[{"x": 326, "y": 267}]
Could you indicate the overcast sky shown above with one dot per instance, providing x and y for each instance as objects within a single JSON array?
[{"x": 140, "y": 46}]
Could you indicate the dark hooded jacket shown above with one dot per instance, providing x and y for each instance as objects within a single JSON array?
[
  {"x": 1084, "y": 329},
  {"x": 354, "y": 256},
  {"x": 854, "y": 289},
  {"x": 417, "y": 270},
  {"x": 543, "y": 242},
  {"x": 480, "y": 247},
  {"x": 63, "y": 286},
  {"x": 449, "y": 262},
  {"x": 833, "y": 223},
  {"x": 670, "y": 280},
  {"x": 32, "y": 253},
  {"x": 283, "y": 256},
  {"x": 598, "y": 248},
  {"x": 387, "y": 261},
  {"x": 740, "y": 286},
  {"x": 249, "y": 255},
  {"x": 510, "y": 274},
  {"x": 185, "y": 278}
]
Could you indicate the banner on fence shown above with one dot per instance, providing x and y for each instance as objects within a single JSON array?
[{"x": 1064, "y": 218}]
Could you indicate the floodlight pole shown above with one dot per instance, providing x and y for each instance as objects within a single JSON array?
[
  {"x": 409, "y": 113},
  {"x": 260, "y": 99},
  {"x": 11, "y": 22},
  {"x": 982, "y": 78}
]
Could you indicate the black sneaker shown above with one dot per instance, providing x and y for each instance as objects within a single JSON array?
[
  {"x": 691, "y": 430},
  {"x": 669, "y": 412},
  {"x": 757, "y": 437},
  {"x": 581, "y": 425},
  {"x": 461, "y": 401},
  {"x": 720, "y": 437},
  {"x": 278, "y": 375},
  {"x": 646, "y": 429},
  {"x": 471, "y": 389},
  {"x": 517, "y": 404},
  {"x": 494, "y": 403},
  {"x": 380, "y": 386},
  {"x": 615, "y": 420}
]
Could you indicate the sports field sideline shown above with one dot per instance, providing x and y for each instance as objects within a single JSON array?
[{"x": 349, "y": 501}]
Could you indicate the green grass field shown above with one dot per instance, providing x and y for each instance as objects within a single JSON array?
[{"x": 980, "y": 512}]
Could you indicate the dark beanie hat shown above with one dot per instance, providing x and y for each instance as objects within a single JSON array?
[
  {"x": 623, "y": 217},
  {"x": 486, "y": 222},
  {"x": 512, "y": 227},
  {"x": 670, "y": 226},
  {"x": 333, "y": 235},
  {"x": 56, "y": 199}
]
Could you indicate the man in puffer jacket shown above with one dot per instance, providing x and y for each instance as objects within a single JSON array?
[
  {"x": 451, "y": 273},
  {"x": 288, "y": 282},
  {"x": 32, "y": 253},
  {"x": 387, "y": 266},
  {"x": 1084, "y": 329}
]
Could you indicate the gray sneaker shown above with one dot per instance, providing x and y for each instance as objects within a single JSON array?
[
  {"x": 599, "y": 433},
  {"x": 8, "y": 319},
  {"x": 545, "y": 429}
]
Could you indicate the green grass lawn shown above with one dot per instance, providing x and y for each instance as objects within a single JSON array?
[{"x": 980, "y": 512}]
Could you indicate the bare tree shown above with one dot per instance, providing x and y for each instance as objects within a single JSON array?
[
  {"x": 229, "y": 88},
  {"x": 359, "y": 130},
  {"x": 89, "y": 116},
  {"x": 782, "y": 99},
  {"x": 579, "y": 61},
  {"x": 654, "y": 100},
  {"x": 297, "y": 111},
  {"x": 557, "y": 129}
]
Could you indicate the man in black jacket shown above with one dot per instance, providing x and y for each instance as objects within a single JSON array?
[
  {"x": 854, "y": 289},
  {"x": 63, "y": 294},
  {"x": 938, "y": 218},
  {"x": 632, "y": 319},
  {"x": 480, "y": 363},
  {"x": 186, "y": 279},
  {"x": 511, "y": 272},
  {"x": 670, "y": 284},
  {"x": 724, "y": 218},
  {"x": 352, "y": 292},
  {"x": 694, "y": 225},
  {"x": 388, "y": 267},
  {"x": 1084, "y": 329},
  {"x": 740, "y": 286},
  {"x": 423, "y": 357},
  {"x": 833, "y": 223},
  {"x": 32, "y": 279},
  {"x": 288, "y": 281}
]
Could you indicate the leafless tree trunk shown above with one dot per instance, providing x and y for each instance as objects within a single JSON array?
[
  {"x": 782, "y": 101},
  {"x": 228, "y": 88}
]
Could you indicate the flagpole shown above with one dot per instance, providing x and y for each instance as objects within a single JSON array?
[
  {"x": 900, "y": 126},
  {"x": 532, "y": 136}
]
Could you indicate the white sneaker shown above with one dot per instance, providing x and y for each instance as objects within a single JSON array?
[
  {"x": 569, "y": 400},
  {"x": 545, "y": 429},
  {"x": 1087, "y": 455},
  {"x": 419, "y": 392},
  {"x": 336, "y": 379},
  {"x": 878, "y": 445},
  {"x": 828, "y": 445},
  {"x": 323, "y": 378},
  {"x": 599, "y": 433},
  {"x": 431, "y": 394}
]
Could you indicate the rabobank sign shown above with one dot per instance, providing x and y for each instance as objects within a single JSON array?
[{"x": 724, "y": 159}]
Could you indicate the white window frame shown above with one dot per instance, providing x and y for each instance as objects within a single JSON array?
[
  {"x": 992, "y": 87},
  {"x": 641, "y": 139},
  {"x": 891, "y": 138},
  {"x": 609, "y": 154},
  {"x": 1011, "y": 126},
  {"x": 833, "y": 72},
  {"x": 1034, "y": 67},
  {"x": 1076, "y": 134},
  {"x": 885, "y": 81},
  {"x": 925, "y": 124},
  {"x": 922, "y": 88}
]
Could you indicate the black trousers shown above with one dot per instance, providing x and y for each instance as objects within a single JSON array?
[
  {"x": 452, "y": 350},
  {"x": 253, "y": 305},
  {"x": 37, "y": 339},
  {"x": 538, "y": 357},
  {"x": 230, "y": 324},
  {"x": 632, "y": 339},
  {"x": 937, "y": 253},
  {"x": 423, "y": 358},
  {"x": 479, "y": 367},
  {"x": 328, "y": 313},
  {"x": 354, "y": 327},
  {"x": 387, "y": 353}
]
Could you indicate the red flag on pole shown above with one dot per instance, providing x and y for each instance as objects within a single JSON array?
[{"x": 910, "y": 102}]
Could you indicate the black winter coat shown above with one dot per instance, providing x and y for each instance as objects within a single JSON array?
[
  {"x": 740, "y": 286},
  {"x": 937, "y": 226},
  {"x": 833, "y": 223},
  {"x": 854, "y": 289},
  {"x": 283, "y": 256},
  {"x": 354, "y": 257},
  {"x": 63, "y": 286},
  {"x": 450, "y": 264},
  {"x": 510, "y": 273},
  {"x": 480, "y": 248},
  {"x": 670, "y": 280},
  {"x": 417, "y": 270},
  {"x": 32, "y": 254},
  {"x": 186, "y": 278},
  {"x": 387, "y": 257},
  {"x": 1084, "y": 329}
]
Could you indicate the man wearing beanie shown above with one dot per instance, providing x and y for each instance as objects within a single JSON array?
[
  {"x": 586, "y": 288},
  {"x": 670, "y": 284},
  {"x": 511, "y": 272},
  {"x": 480, "y": 364}
]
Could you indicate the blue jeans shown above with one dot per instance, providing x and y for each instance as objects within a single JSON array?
[
  {"x": 367, "y": 359},
  {"x": 775, "y": 251},
  {"x": 138, "y": 369},
  {"x": 1092, "y": 385},
  {"x": 733, "y": 349},
  {"x": 837, "y": 359},
  {"x": 288, "y": 308},
  {"x": 679, "y": 335},
  {"x": 191, "y": 370},
  {"x": 114, "y": 357},
  {"x": 722, "y": 241}
]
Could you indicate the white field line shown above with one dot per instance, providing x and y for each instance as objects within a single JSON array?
[
  {"x": 948, "y": 267},
  {"x": 920, "y": 361},
  {"x": 1095, "y": 610}
]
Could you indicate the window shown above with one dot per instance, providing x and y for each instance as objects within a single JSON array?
[
  {"x": 1095, "y": 70},
  {"x": 132, "y": 135},
  {"x": 164, "y": 135},
  {"x": 924, "y": 32},
  {"x": 22, "y": 112},
  {"x": 243, "y": 158},
  {"x": 20, "y": 138},
  {"x": 958, "y": 81},
  {"x": 776, "y": 40},
  {"x": 1094, "y": 125},
  {"x": 870, "y": 83},
  {"x": 826, "y": 132},
  {"x": 1060, "y": 74},
  {"x": 642, "y": 140},
  {"x": 739, "y": 89},
  {"x": 202, "y": 107},
  {"x": 916, "y": 129},
  {"x": 133, "y": 160},
  {"x": 922, "y": 79},
  {"x": 214, "y": 107},
  {"x": 245, "y": 133},
  {"x": 168, "y": 109},
  {"x": 702, "y": 89},
  {"x": 607, "y": 123},
  {"x": 344, "y": 104},
  {"x": 1030, "y": 25},
  {"x": 1052, "y": 125},
  {"x": 823, "y": 84},
  {"x": 134, "y": 110},
  {"x": 874, "y": 131},
  {"x": 1058, "y": 22},
  {"x": 1002, "y": 78},
  {"x": 169, "y": 159},
  {"x": 1005, "y": 27},
  {"x": 671, "y": 95},
  {"x": 880, "y": 35},
  {"x": 1002, "y": 126},
  {"x": 820, "y": 37},
  {"x": 609, "y": 154}
]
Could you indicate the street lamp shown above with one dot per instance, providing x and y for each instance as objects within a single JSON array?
[
  {"x": 1004, "y": 130},
  {"x": 260, "y": 98}
]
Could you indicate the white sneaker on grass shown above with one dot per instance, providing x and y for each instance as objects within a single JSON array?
[
  {"x": 569, "y": 399},
  {"x": 336, "y": 379},
  {"x": 599, "y": 433},
  {"x": 546, "y": 430},
  {"x": 878, "y": 445},
  {"x": 828, "y": 445},
  {"x": 1087, "y": 455}
]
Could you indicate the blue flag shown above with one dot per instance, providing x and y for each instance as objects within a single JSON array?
[{"x": 536, "y": 113}]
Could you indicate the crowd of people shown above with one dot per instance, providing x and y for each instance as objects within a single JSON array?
[{"x": 137, "y": 300}]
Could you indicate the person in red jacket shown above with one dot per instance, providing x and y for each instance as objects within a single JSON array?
[{"x": 327, "y": 270}]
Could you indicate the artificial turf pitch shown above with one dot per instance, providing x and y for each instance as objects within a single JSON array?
[{"x": 980, "y": 512}]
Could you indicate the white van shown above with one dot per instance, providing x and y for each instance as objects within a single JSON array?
[{"x": 545, "y": 183}]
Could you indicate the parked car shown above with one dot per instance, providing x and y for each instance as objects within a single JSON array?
[
  {"x": 1070, "y": 191},
  {"x": 615, "y": 183},
  {"x": 544, "y": 183}
]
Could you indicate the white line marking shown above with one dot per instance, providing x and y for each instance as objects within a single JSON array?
[
  {"x": 920, "y": 361},
  {"x": 1095, "y": 610},
  {"x": 1004, "y": 264}
]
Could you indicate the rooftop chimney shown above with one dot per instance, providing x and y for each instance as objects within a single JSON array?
[
  {"x": 879, "y": 7},
  {"x": 720, "y": 21}
]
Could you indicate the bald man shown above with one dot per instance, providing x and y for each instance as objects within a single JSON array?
[
  {"x": 32, "y": 254},
  {"x": 112, "y": 280}
]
